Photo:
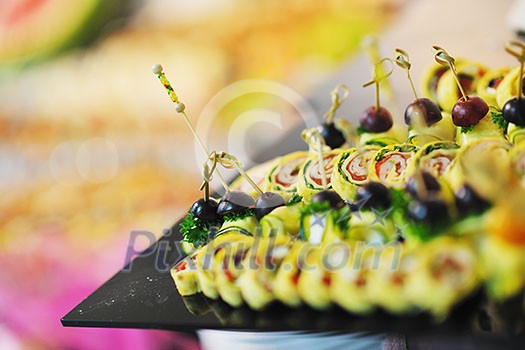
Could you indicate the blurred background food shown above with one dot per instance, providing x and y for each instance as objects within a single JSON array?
[{"x": 92, "y": 149}]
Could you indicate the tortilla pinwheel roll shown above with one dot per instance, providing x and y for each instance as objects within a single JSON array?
[
  {"x": 517, "y": 161},
  {"x": 258, "y": 174},
  {"x": 314, "y": 281},
  {"x": 445, "y": 272},
  {"x": 508, "y": 88},
  {"x": 261, "y": 264},
  {"x": 443, "y": 130},
  {"x": 502, "y": 267},
  {"x": 184, "y": 274},
  {"x": 372, "y": 226},
  {"x": 457, "y": 173},
  {"x": 389, "y": 164},
  {"x": 349, "y": 281},
  {"x": 283, "y": 176},
  {"x": 431, "y": 79},
  {"x": 281, "y": 221},
  {"x": 387, "y": 281},
  {"x": 516, "y": 133},
  {"x": 228, "y": 266},
  {"x": 492, "y": 125},
  {"x": 447, "y": 91},
  {"x": 287, "y": 277},
  {"x": 246, "y": 226},
  {"x": 324, "y": 224},
  {"x": 396, "y": 134},
  {"x": 434, "y": 158},
  {"x": 205, "y": 261},
  {"x": 311, "y": 177},
  {"x": 351, "y": 170},
  {"x": 487, "y": 85}
]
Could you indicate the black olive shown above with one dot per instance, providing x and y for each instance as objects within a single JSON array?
[
  {"x": 235, "y": 201},
  {"x": 422, "y": 184},
  {"x": 374, "y": 195},
  {"x": 429, "y": 211},
  {"x": 469, "y": 202},
  {"x": 334, "y": 200},
  {"x": 205, "y": 210},
  {"x": 514, "y": 111},
  {"x": 333, "y": 137},
  {"x": 267, "y": 202}
]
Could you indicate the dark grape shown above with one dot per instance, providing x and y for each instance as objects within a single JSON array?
[
  {"x": 267, "y": 202},
  {"x": 514, "y": 111},
  {"x": 374, "y": 195},
  {"x": 205, "y": 210},
  {"x": 376, "y": 121},
  {"x": 423, "y": 109},
  {"x": 333, "y": 137},
  {"x": 334, "y": 200},
  {"x": 469, "y": 112},
  {"x": 235, "y": 201}
]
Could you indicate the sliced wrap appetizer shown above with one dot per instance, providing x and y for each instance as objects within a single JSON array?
[
  {"x": 488, "y": 84},
  {"x": 445, "y": 272},
  {"x": 433, "y": 157},
  {"x": 184, "y": 274},
  {"x": 492, "y": 125},
  {"x": 351, "y": 170},
  {"x": 310, "y": 176},
  {"x": 262, "y": 262},
  {"x": 229, "y": 263},
  {"x": 282, "y": 221},
  {"x": 396, "y": 134},
  {"x": 443, "y": 130},
  {"x": 287, "y": 277},
  {"x": 389, "y": 164},
  {"x": 284, "y": 175},
  {"x": 314, "y": 281},
  {"x": 259, "y": 175},
  {"x": 457, "y": 173},
  {"x": 469, "y": 74},
  {"x": 508, "y": 88},
  {"x": 387, "y": 282},
  {"x": 349, "y": 284},
  {"x": 323, "y": 224}
]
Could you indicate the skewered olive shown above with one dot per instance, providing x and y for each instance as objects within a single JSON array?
[
  {"x": 374, "y": 195},
  {"x": 514, "y": 111},
  {"x": 205, "y": 210},
  {"x": 267, "y": 202},
  {"x": 333, "y": 137},
  {"x": 234, "y": 201},
  {"x": 334, "y": 200}
]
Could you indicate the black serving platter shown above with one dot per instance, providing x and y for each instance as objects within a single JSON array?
[{"x": 143, "y": 295}]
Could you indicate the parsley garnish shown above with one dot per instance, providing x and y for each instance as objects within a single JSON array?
[
  {"x": 194, "y": 230},
  {"x": 240, "y": 215},
  {"x": 467, "y": 129},
  {"x": 296, "y": 198},
  {"x": 497, "y": 118},
  {"x": 375, "y": 143}
]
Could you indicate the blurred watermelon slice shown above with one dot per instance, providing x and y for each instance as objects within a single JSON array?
[{"x": 31, "y": 30}]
